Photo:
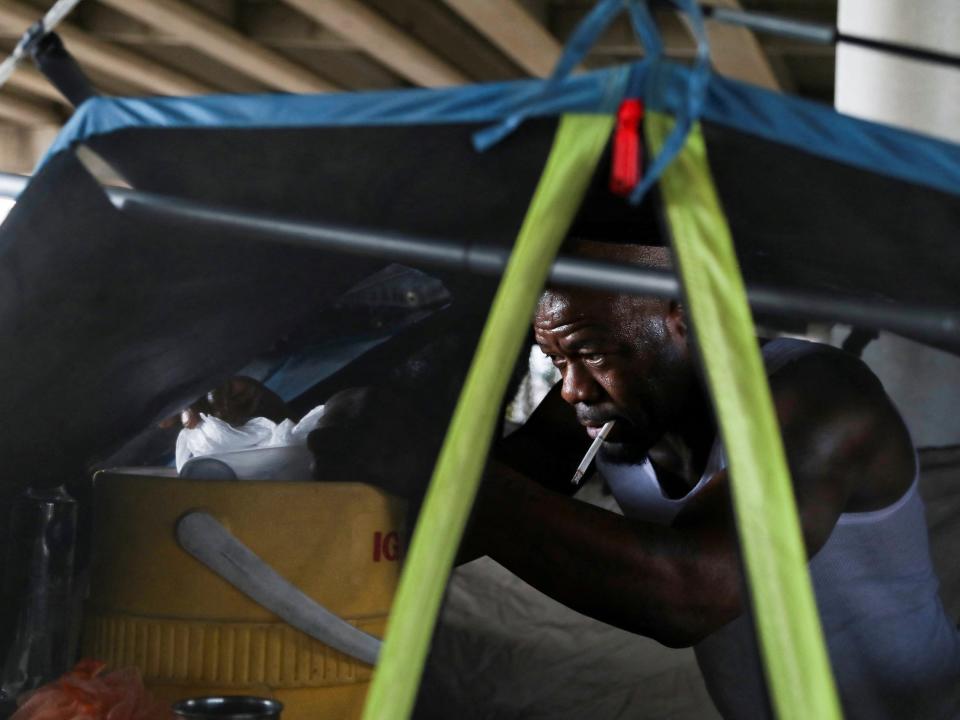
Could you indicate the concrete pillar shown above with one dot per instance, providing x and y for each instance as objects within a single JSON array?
[
  {"x": 924, "y": 98},
  {"x": 913, "y": 94},
  {"x": 22, "y": 147}
]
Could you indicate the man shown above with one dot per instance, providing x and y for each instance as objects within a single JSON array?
[{"x": 670, "y": 568}]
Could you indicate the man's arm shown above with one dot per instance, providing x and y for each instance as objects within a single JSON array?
[
  {"x": 642, "y": 577},
  {"x": 847, "y": 450}
]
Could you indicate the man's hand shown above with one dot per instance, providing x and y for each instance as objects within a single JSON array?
[{"x": 235, "y": 402}]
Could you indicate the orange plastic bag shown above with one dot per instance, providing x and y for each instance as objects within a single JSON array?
[{"x": 86, "y": 693}]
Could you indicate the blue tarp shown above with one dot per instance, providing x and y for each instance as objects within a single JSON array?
[{"x": 802, "y": 124}]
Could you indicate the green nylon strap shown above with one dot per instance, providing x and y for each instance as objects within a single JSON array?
[
  {"x": 795, "y": 658},
  {"x": 577, "y": 145}
]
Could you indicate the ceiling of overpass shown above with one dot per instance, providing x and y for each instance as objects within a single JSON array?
[{"x": 177, "y": 47}]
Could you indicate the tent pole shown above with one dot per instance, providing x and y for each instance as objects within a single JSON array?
[
  {"x": 819, "y": 34},
  {"x": 938, "y": 326}
]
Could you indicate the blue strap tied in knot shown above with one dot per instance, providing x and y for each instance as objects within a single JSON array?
[
  {"x": 691, "y": 105},
  {"x": 648, "y": 78}
]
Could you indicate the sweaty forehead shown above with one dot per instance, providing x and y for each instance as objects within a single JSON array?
[
  {"x": 561, "y": 307},
  {"x": 586, "y": 310},
  {"x": 569, "y": 305}
]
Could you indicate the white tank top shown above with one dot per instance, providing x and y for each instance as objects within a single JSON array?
[{"x": 895, "y": 653}]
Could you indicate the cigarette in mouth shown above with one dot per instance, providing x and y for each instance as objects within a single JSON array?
[{"x": 591, "y": 452}]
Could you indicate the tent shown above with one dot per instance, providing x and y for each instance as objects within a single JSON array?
[{"x": 251, "y": 217}]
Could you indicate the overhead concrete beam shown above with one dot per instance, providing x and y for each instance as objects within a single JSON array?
[
  {"x": 106, "y": 58},
  {"x": 381, "y": 40},
  {"x": 29, "y": 79},
  {"x": 736, "y": 52},
  {"x": 22, "y": 147},
  {"x": 509, "y": 26},
  {"x": 218, "y": 40},
  {"x": 26, "y": 113}
]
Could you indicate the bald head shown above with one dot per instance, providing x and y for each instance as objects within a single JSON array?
[
  {"x": 622, "y": 305},
  {"x": 644, "y": 255}
]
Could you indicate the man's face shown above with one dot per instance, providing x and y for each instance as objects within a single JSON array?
[{"x": 620, "y": 358}]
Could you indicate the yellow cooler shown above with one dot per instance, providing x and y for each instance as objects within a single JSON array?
[{"x": 154, "y": 606}]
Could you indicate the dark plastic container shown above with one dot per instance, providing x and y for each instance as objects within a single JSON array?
[
  {"x": 38, "y": 588},
  {"x": 228, "y": 707}
]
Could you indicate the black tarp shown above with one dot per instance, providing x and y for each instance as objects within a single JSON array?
[{"x": 110, "y": 324}]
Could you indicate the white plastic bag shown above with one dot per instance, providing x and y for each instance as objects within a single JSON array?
[{"x": 213, "y": 436}]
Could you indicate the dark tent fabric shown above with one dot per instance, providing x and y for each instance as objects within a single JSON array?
[
  {"x": 111, "y": 323},
  {"x": 800, "y": 221},
  {"x": 794, "y": 176}
]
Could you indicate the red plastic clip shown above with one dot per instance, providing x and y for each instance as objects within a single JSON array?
[{"x": 626, "y": 166}]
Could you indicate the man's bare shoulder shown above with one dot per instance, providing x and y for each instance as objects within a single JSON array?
[{"x": 840, "y": 427}]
